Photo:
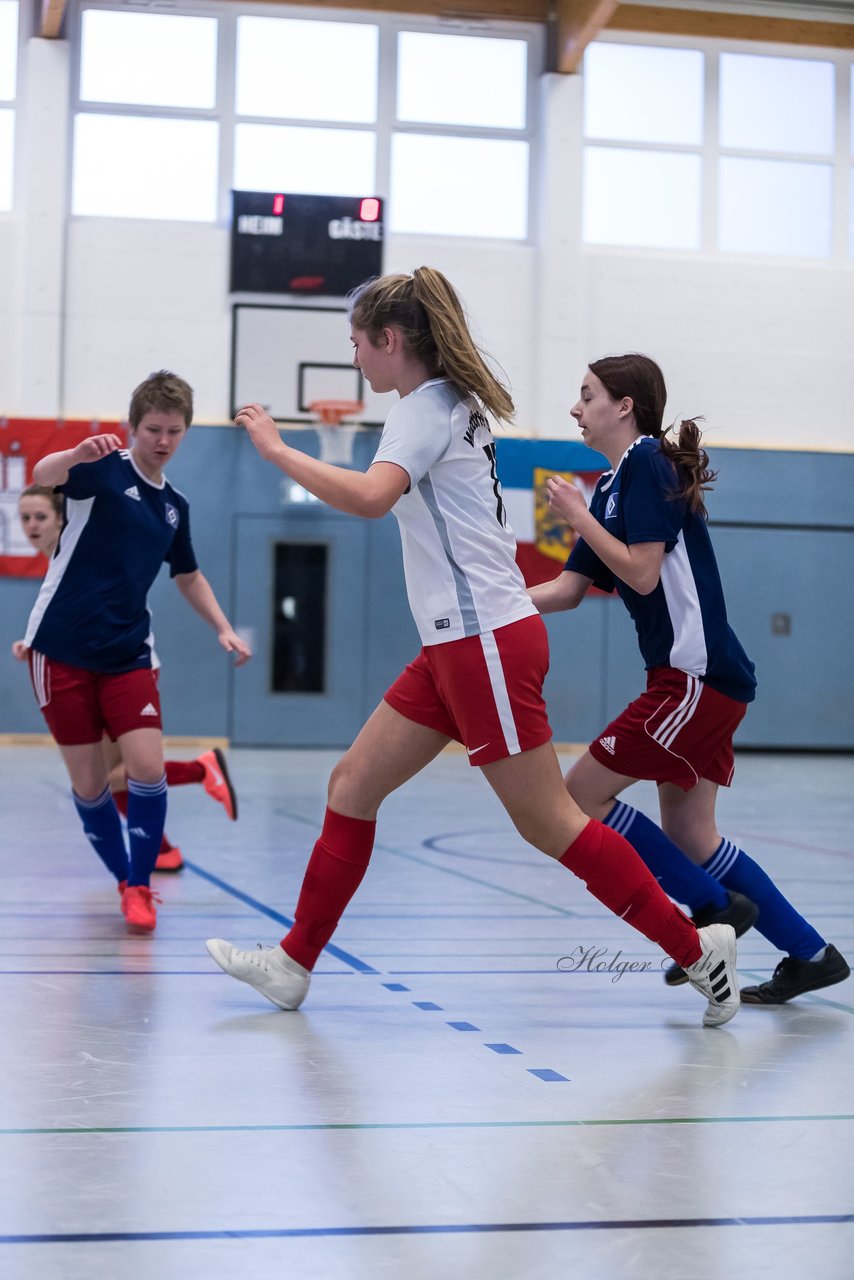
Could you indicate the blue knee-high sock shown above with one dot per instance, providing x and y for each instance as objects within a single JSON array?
[
  {"x": 778, "y": 921},
  {"x": 103, "y": 828},
  {"x": 679, "y": 877},
  {"x": 146, "y": 819}
]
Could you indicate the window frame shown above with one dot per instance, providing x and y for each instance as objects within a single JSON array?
[
  {"x": 841, "y": 159},
  {"x": 14, "y": 105},
  {"x": 386, "y": 124}
]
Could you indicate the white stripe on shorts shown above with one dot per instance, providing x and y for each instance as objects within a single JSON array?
[
  {"x": 669, "y": 728},
  {"x": 499, "y": 692},
  {"x": 41, "y": 679}
]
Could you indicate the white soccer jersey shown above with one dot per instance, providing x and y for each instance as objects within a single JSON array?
[{"x": 458, "y": 550}]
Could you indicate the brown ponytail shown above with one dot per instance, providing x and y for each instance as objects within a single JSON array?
[
  {"x": 641, "y": 379},
  {"x": 429, "y": 314},
  {"x": 691, "y": 462}
]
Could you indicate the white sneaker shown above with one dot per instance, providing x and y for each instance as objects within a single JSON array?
[
  {"x": 714, "y": 974},
  {"x": 268, "y": 969}
]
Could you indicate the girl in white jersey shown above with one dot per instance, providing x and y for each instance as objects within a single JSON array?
[
  {"x": 478, "y": 678},
  {"x": 645, "y": 535}
]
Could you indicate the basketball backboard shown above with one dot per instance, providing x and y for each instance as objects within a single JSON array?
[{"x": 289, "y": 357}]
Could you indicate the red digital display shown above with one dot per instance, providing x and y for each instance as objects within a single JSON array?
[{"x": 297, "y": 243}]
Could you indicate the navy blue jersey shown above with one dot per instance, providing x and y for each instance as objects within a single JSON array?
[
  {"x": 683, "y": 622},
  {"x": 92, "y": 610}
]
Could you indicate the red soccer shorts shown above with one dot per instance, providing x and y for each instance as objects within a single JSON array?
[
  {"x": 679, "y": 731},
  {"x": 81, "y": 706},
  {"x": 484, "y": 691}
]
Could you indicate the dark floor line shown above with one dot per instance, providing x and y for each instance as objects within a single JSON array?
[
  {"x": 396, "y": 1126},
  {"x": 450, "y": 1228},
  {"x": 337, "y": 952}
]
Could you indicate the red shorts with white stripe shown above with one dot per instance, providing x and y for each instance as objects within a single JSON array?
[
  {"x": 484, "y": 691},
  {"x": 679, "y": 731},
  {"x": 81, "y": 706}
]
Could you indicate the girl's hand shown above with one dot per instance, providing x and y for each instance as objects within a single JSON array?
[
  {"x": 261, "y": 429},
  {"x": 565, "y": 499},
  {"x": 93, "y": 448},
  {"x": 20, "y": 651},
  {"x": 232, "y": 643}
]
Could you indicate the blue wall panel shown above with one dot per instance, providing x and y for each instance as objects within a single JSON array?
[{"x": 783, "y": 524}]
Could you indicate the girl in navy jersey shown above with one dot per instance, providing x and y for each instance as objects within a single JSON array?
[
  {"x": 645, "y": 536},
  {"x": 41, "y": 511},
  {"x": 89, "y": 634},
  {"x": 478, "y": 678}
]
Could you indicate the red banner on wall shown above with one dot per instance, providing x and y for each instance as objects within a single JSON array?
[{"x": 22, "y": 442}]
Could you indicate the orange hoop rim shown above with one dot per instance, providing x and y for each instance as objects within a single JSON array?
[{"x": 332, "y": 412}]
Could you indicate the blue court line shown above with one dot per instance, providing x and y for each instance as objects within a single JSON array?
[
  {"x": 463, "y": 1026},
  {"x": 502, "y": 1048},
  {"x": 546, "y": 1073},
  {"x": 352, "y": 961},
  {"x": 426, "y": 1004},
  {"x": 450, "y": 1228},
  {"x": 141, "y": 973},
  {"x": 610, "y": 1123}
]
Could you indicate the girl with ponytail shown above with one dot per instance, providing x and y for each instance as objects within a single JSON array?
[
  {"x": 478, "y": 677},
  {"x": 645, "y": 537}
]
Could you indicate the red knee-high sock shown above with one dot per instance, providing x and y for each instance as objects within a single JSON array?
[
  {"x": 615, "y": 874},
  {"x": 335, "y": 869},
  {"x": 181, "y": 773}
]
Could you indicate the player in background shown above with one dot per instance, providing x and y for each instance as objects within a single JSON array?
[
  {"x": 89, "y": 633},
  {"x": 645, "y": 536},
  {"x": 478, "y": 678},
  {"x": 41, "y": 513}
]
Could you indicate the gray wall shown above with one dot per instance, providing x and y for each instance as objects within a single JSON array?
[{"x": 782, "y": 526}]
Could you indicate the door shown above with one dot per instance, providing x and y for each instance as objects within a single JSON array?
[{"x": 300, "y": 599}]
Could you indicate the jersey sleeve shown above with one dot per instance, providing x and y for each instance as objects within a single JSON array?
[
  {"x": 650, "y": 512},
  {"x": 88, "y": 479},
  {"x": 415, "y": 437},
  {"x": 586, "y": 562},
  {"x": 181, "y": 557}
]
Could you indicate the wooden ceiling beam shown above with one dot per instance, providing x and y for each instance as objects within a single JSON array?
[
  {"x": 462, "y": 10},
  {"x": 574, "y": 24},
  {"x": 52, "y": 18},
  {"x": 714, "y": 25}
]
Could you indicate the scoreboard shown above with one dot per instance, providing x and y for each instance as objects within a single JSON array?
[{"x": 312, "y": 246}]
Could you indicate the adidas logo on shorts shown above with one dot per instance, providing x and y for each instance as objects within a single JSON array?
[
  {"x": 148, "y": 710},
  {"x": 609, "y": 743}
]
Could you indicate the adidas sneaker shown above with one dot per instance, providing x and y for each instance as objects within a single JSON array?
[{"x": 713, "y": 975}]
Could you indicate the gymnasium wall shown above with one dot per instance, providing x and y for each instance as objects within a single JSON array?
[
  {"x": 786, "y": 563},
  {"x": 763, "y": 348},
  {"x": 88, "y": 306}
]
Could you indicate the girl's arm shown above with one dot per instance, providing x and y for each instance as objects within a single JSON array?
[
  {"x": 638, "y": 565},
  {"x": 370, "y": 493},
  {"x": 53, "y": 470},
  {"x": 198, "y": 593},
  {"x": 566, "y": 591}
]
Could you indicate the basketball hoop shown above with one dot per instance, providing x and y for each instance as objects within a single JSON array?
[{"x": 336, "y": 438}]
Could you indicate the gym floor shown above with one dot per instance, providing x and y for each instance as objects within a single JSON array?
[{"x": 488, "y": 1078}]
